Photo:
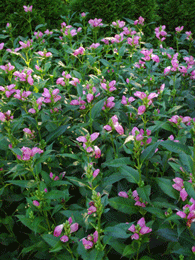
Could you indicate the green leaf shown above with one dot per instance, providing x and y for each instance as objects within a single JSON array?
[
  {"x": 166, "y": 186},
  {"x": 122, "y": 50},
  {"x": 174, "y": 109},
  {"x": 59, "y": 131},
  {"x": 146, "y": 258},
  {"x": 96, "y": 109},
  {"x": 189, "y": 187},
  {"x": 186, "y": 160},
  {"x": 167, "y": 234},
  {"x": 175, "y": 147},
  {"x": 50, "y": 239},
  {"x": 106, "y": 63},
  {"x": 118, "y": 231},
  {"x": 124, "y": 205},
  {"x": 117, "y": 162},
  {"x": 148, "y": 152},
  {"x": 156, "y": 212},
  {"x": 70, "y": 155},
  {"x": 24, "y": 184},
  {"x": 55, "y": 194},
  {"x": 144, "y": 193},
  {"x": 58, "y": 247},
  {"x": 39, "y": 26},
  {"x": 129, "y": 250},
  {"x": 129, "y": 174}
]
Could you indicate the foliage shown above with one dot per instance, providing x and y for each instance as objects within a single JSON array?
[{"x": 44, "y": 12}]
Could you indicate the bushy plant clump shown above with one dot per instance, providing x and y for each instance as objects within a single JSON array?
[
  {"x": 111, "y": 10},
  {"x": 97, "y": 142},
  {"x": 47, "y": 11},
  {"x": 175, "y": 13}
]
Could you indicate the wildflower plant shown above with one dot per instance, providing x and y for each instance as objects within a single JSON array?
[{"x": 97, "y": 142}]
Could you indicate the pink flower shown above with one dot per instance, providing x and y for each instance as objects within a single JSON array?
[
  {"x": 64, "y": 239},
  {"x": 83, "y": 14},
  {"x": 91, "y": 210},
  {"x": 119, "y": 128},
  {"x": 97, "y": 152},
  {"x": 193, "y": 249},
  {"x": 95, "y": 173},
  {"x": 58, "y": 230},
  {"x": 1, "y": 45},
  {"x": 179, "y": 29},
  {"x": 96, "y": 22},
  {"x": 87, "y": 244},
  {"x": 183, "y": 194},
  {"x": 141, "y": 109},
  {"x": 107, "y": 128},
  {"x": 74, "y": 227},
  {"x": 123, "y": 194},
  {"x": 181, "y": 214},
  {"x": 36, "y": 203},
  {"x": 27, "y": 8}
]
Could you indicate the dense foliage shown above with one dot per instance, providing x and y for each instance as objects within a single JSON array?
[
  {"x": 47, "y": 11},
  {"x": 97, "y": 142}
]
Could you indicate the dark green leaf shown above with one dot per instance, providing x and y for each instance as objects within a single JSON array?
[
  {"x": 144, "y": 193},
  {"x": 95, "y": 111},
  {"x": 175, "y": 147},
  {"x": 117, "y": 162},
  {"x": 166, "y": 186},
  {"x": 129, "y": 174},
  {"x": 124, "y": 205}
]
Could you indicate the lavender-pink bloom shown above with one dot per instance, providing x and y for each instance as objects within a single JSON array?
[
  {"x": 74, "y": 227},
  {"x": 36, "y": 203},
  {"x": 64, "y": 239},
  {"x": 58, "y": 230},
  {"x": 123, "y": 194}
]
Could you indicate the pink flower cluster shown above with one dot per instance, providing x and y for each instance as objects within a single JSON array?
[
  {"x": 8, "y": 67},
  {"x": 6, "y": 116},
  {"x": 108, "y": 104},
  {"x": 139, "y": 21},
  {"x": 114, "y": 124},
  {"x": 68, "y": 30},
  {"x": 78, "y": 102},
  {"x": 8, "y": 90},
  {"x": 94, "y": 45},
  {"x": 44, "y": 54},
  {"x": 180, "y": 119},
  {"x": 134, "y": 41},
  {"x": 22, "y": 95},
  {"x": 179, "y": 29},
  {"x": 178, "y": 185},
  {"x": 38, "y": 34},
  {"x": 127, "y": 101},
  {"x": 139, "y": 230},
  {"x": 69, "y": 228},
  {"x": 27, "y": 8},
  {"x": 188, "y": 212},
  {"x": 25, "y": 45},
  {"x": 62, "y": 81},
  {"x": 24, "y": 76},
  {"x": 29, "y": 132},
  {"x": 28, "y": 153},
  {"x": 78, "y": 51},
  {"x": 56, "y": 178},
  {"x": 160, "y": 33},
  {"x": 109, "y": 86},
  {"x": 96, "y": 22},
  {"x": 189, "y": 36},
  {"x": 147, "y": 100},
  {"x": 90, "y": 241},
  {"x": 148, "y": 55},
  {"x": 87, "y": 141},
  {"x": 136, "y": 197},
  {"x": 119, "y": 24},
  {"x": 139, "y": 135}
]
